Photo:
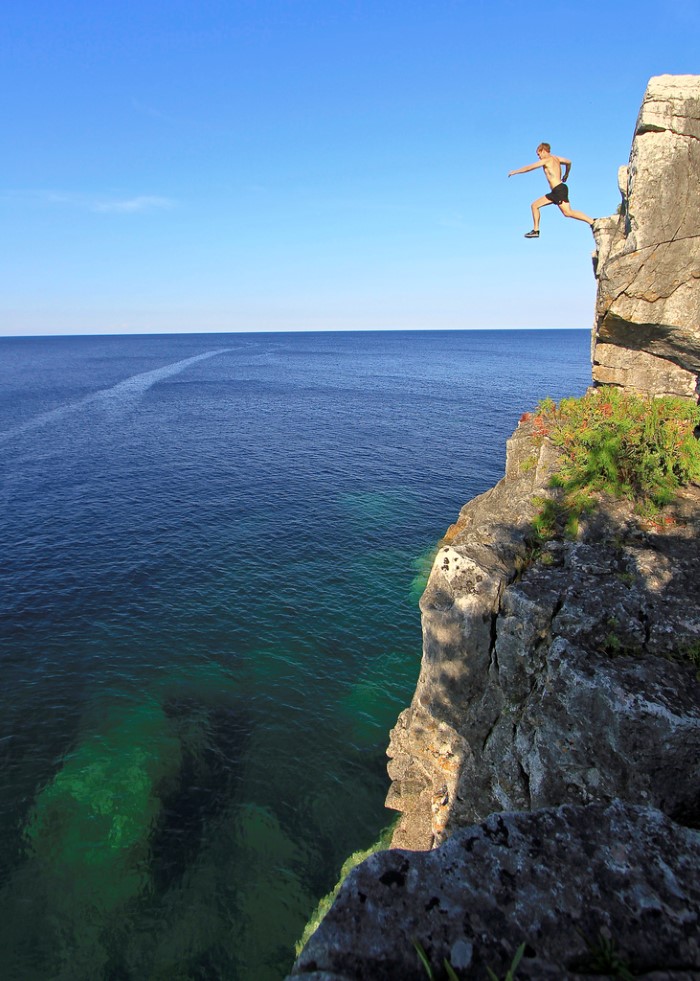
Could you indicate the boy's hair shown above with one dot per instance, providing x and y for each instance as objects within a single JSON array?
[{"x": 544, "y": 146}]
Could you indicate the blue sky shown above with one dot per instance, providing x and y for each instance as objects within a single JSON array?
[{"x": 312, "y": 164}]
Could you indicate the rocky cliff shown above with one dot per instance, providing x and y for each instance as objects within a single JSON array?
[
  {"x": 552, "y": 748},
  {"x": 553, "y": 680},
  {"x": 647, "y": 332}
]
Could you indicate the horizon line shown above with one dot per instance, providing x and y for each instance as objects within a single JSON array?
[{"x": 291, "y": 330}]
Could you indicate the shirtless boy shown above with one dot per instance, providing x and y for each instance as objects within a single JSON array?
[{"x": 559, "y": 194}]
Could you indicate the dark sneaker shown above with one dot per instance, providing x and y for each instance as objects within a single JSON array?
[{"x": 532, "y": 234}]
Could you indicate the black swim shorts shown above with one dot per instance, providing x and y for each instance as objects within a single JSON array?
[{"x": 558, "y": 194}]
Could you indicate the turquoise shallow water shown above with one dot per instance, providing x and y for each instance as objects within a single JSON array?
[{"x": 212, "y": 550}]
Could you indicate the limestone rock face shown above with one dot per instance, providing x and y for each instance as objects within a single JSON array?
[
  {"x": 647, "y": 333},
  {"x": 571, "y": 883},
  {"x": 562, "y": 677}
]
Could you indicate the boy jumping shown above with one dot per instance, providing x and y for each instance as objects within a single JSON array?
[{"x": 559, "y": 194}]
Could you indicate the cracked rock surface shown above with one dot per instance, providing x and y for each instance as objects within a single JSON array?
[
  {"x": 570, "y": 883},
  {"x": 647, "y": 332}
]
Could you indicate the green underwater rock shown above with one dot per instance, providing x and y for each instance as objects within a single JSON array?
[
  {"x": 90, "y": 827},
  {"x": 372, "y": 703},
  {"x": 272, "y": 902},
  {"x": 422, "y": 564}
]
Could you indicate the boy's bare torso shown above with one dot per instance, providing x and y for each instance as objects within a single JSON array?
[{"x": 552, "y": 169}]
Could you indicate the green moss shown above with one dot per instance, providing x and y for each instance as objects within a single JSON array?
[{"x": 350, "y": 863}]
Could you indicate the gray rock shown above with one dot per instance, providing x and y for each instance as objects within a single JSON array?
[
  {"x": 444, "y": 727},
  {"x": 641, "y": 371},
  {"x": 567, "y": 882},
  {"x": 648, "y": 261},
  {"x": 553, "y": 678}
]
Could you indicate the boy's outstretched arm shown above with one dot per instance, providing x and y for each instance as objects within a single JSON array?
[{"x": 524, "y": 170}]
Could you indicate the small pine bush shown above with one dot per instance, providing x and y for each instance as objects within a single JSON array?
[{"x": 624, "y": 444}]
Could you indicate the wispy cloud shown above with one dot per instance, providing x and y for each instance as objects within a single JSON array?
[
  {"x": 143, "y": 202},
  {"x": 96, "y": 203}
]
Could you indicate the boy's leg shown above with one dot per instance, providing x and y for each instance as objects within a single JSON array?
[
  {"x": 568, "y": 212},
  {"x": 535, "y": 208}
]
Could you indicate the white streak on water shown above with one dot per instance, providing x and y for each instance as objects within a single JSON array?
[{"x": 125, "y": 391}]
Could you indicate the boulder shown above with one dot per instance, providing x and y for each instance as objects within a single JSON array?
[{"x": 587, "y": 890}]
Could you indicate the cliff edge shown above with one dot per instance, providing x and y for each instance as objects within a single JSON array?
[{"x": 547, "y": 771}]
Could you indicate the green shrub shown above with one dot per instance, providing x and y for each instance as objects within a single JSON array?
[
  {"x": 623, "y": 444},
  {"x": 425, "y": 961}
]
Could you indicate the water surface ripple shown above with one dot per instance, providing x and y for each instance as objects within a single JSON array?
[{"x": 212, "y": 550}]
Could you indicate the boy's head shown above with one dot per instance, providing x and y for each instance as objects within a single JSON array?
[{"x": 544, "y": 148}]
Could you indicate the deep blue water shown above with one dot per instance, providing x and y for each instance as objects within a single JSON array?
[{"x": 211, "y": 552}]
